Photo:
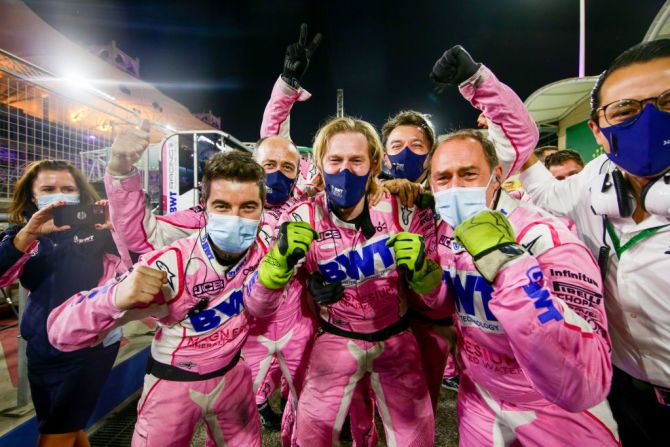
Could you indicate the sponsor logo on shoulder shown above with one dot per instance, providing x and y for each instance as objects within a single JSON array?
[
  {"x": 565, "y": 273},
  {"x": 535, "y": 290}
]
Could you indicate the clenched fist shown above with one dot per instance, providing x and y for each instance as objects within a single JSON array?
[
  {"x": 128, "y": 148},
  {"x": 453, "y": 67},
  {"x": 139, "y": 288}
]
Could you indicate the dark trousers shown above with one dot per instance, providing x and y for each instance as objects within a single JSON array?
[{"x": 641, "y": 418}]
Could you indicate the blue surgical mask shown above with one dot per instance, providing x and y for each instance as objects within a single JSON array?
[
  {"x": 406, "y": 164},
  {"x": 46, "y": 200},
  {"x": 345, "y": 189},
  {"x": 232, "y": 234},
  {"x": 279, "y": 187},
  {"x": 643, "y": 147},
  {"x": 455, "y": 205}
]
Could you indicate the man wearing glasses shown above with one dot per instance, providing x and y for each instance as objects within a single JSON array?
[{"x": 620, "y": 204}]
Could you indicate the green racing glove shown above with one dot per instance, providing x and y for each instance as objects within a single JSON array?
[
  {"x": 489, "y": 238},
  {"x": 292, "y": 244},
  {"x": 422, "y": 274}
]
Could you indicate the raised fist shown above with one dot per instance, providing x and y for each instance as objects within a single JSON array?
[
  {"x": 128, "y": 148},
  {"x": 454, "y": 66}
]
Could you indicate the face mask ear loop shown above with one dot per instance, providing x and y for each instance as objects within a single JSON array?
[{"x": 496, "y": 194}]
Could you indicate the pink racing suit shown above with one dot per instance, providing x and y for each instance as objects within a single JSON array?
[
  {"x": 277, "y": 345},
  {"x": 194, "y": 372},
  {"x": 373, "y": 309},
  {"x": 515, "y": 135},
  {"x": 533, "y": 345}
]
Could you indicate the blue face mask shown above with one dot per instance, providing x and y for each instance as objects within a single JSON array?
[
  {"x": 345, "y": 189},
  {"x": 232, "y": 234},
  {"x": 455, "y": 205},
  {"x": 641, "y": 148},
  {"x": 279, "y": 187},
  {"x": 406, "y": 164},
  {"x": 48, "y": 199}
]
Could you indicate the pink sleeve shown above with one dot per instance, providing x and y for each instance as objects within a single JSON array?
[
  {"x": 551, "y": 309},
  {"x": 259, "y": 300},
  {"x": 510, "y": 125},
  {"x": 134, "y": 223},
  {"x": 84, "y": 319},
  {"x": 278, "y": 109},
  {"x": 14, "y": 272}
]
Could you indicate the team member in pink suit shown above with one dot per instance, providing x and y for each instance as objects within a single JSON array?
[
  {"x": 408, "y": 137},
  {"x": 532, "y": 330},
  {"x": 193, "y": 287},
  {"x": 276, "y": 344},
  {"x": 360, "y": 269}
]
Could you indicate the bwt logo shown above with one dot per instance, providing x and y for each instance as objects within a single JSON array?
[
  {"x": 212, "y": 318},
  {"x": 172, "y": 202},
  {"x": 536, "y": 291},
  {"x": 358, "y": 261},
  {"x": 465, "y": 288},
  {"x": 337, "y": 192}
]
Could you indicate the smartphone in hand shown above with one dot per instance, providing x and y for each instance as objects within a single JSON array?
[{"x": 79, "y": 215}]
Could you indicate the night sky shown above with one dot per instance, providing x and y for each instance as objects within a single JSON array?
[{"x": 226, "y": 55}]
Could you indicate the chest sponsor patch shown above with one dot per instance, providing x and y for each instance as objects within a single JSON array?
[
  {"x": 472, "y": 294},
  {"x": 362, "y": 262},
  {"x": 215, "y": 316}
]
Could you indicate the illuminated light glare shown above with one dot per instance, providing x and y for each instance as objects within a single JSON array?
[{"x": 78, "y": 82}]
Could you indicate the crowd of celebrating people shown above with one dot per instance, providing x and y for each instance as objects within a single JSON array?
[{"x": 354, "y": 283}]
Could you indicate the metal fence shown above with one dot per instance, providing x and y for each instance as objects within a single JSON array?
[{"x": 43, "y": 116}]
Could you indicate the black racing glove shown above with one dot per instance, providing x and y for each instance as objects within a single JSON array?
[
  {"x": 453, "y": 67},
  {"x": 325, "y": 293},
  {"x": 298, "y": 56}
]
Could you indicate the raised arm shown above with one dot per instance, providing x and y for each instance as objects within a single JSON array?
[
  {"x": 134, "y": 222},
  {"x": 510, "y": 125},
  {"x": 287, "y": 90}
]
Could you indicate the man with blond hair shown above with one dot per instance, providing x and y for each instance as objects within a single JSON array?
[{"x": 363, "y": 265}]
